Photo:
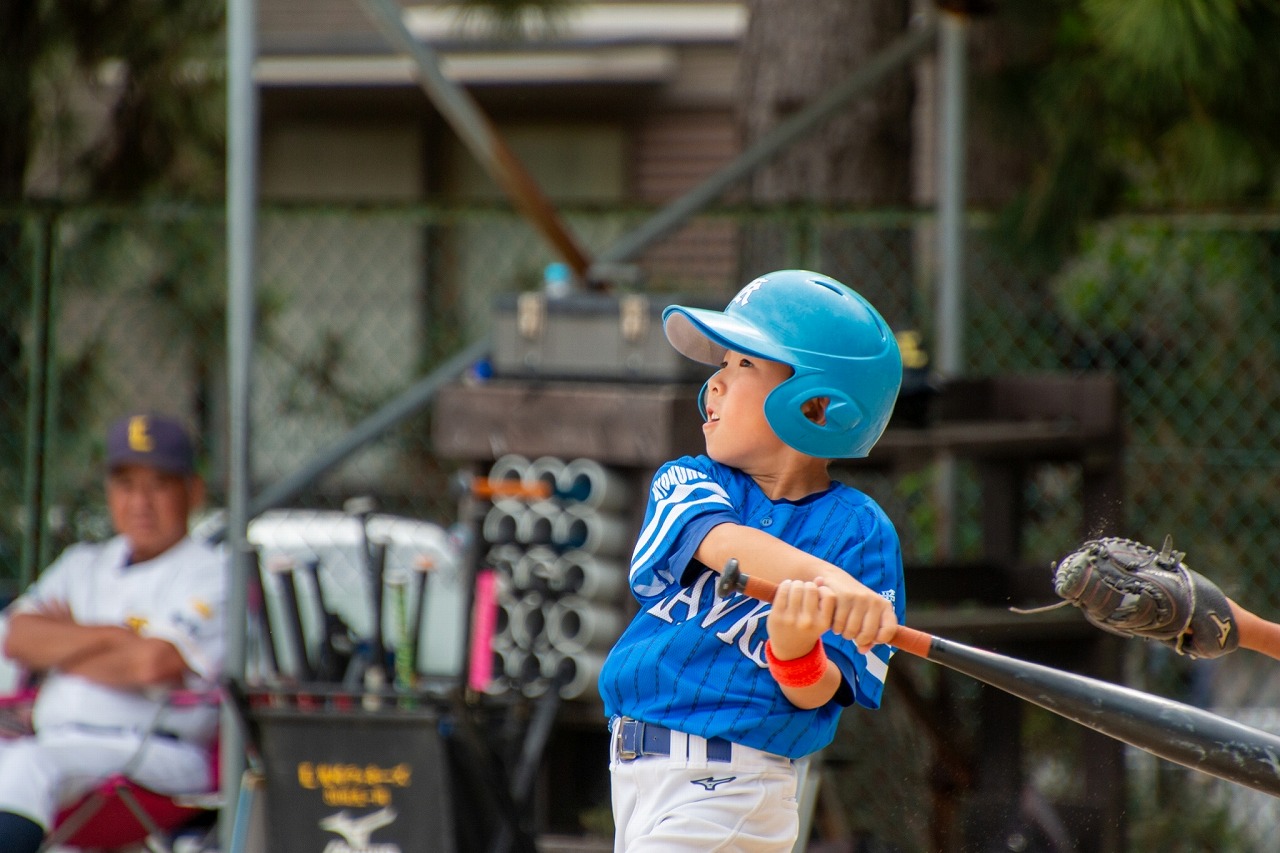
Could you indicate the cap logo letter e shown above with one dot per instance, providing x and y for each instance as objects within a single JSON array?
[{"x": 139, "y": 438}]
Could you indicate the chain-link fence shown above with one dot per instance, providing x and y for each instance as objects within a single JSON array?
[{"x": 109, "y": 310}]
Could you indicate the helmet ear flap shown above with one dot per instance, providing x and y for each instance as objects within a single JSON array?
[
  {"x": 702, "y": 400},
  {"x": 784, "y": 410},
  {"x": 843, "y": 412}
]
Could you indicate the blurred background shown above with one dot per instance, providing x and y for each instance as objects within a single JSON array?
[{"x": 1120, "y": 180}]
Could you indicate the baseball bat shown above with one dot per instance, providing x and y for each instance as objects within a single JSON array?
[
  {"x": 373, "y": 555},
  {"x": 421, "y": 569},
  {"x": 377, "y": 579},
  {"x": 1180, "y": 733},
  {"x": 330, "y": 661},
  {"x": 284, "y": 569},
  {"x": 360, "y": 508},
  {"x": 257, "y": 606},
  {"x": 404, "y": 660},
  {"x": 487, "y": 489}
]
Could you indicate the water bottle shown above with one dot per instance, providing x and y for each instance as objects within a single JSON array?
[{"x": 557, "y": 280}]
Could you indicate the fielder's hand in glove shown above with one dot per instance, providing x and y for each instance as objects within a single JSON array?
[{"x": 1130, "y": 589}]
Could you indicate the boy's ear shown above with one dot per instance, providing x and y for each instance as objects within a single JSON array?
[{"x": 815, "y": 409}]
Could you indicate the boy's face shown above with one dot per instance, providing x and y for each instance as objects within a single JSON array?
[{"x": 736, "y": 430}]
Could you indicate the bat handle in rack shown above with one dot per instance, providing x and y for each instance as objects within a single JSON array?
[{"x": 732, "y": 580}]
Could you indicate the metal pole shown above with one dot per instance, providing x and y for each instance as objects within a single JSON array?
[
  {"x": 476, "y": 132},
  {"x": 953, "y": 37},
  {"x": 39, "y": 370},
  {"x": 51, "y": 399},
  {"x": 242, "y": 146},
  {"x": 860, "y": 82}
]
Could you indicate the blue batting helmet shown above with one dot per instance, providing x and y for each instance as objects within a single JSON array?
[{"x": 836, "y": 344}]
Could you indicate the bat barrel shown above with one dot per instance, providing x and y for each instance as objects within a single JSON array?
[
  {"x": 1176, "y": 732},
  {"x": 1180, "y": 733}
]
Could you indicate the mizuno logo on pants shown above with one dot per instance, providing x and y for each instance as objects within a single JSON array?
[{"x": 711, "y": 782}]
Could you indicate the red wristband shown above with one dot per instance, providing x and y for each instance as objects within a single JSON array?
[{"x": 799, "y": 672}]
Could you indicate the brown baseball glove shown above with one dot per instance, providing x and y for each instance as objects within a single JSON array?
[{"x": 1131, "y": 589}]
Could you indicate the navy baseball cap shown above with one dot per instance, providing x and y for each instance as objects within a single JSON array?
[{"x": 157, "y": 441}]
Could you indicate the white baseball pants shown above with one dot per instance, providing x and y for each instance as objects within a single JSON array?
[
  {"x": 685, "y": 803},
  {"x": 42, "y": 774}
]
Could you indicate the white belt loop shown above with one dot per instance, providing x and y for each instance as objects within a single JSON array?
[
  {"x": 679, "y": 746},
  {"x": 697, "y": 747},
  {"x": 687, "y": 748}
]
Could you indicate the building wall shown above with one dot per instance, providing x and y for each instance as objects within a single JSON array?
[
  {"x": 319, "y": 159},
  {"x": 342, "y": 121},
  {"x": 675, "y": 151}
]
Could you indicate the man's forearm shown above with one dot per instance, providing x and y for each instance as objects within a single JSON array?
[
  {"x": 40, "y": 642},
  {"x": 136, "y": 663}
]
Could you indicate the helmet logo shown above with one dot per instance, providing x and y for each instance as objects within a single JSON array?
[{"x": 744, "y": 295}]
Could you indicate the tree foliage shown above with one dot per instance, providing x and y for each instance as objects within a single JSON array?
[
  {"x": 120, "y": 99},
  {"x": 100, "y": 101},
  {"x": 1144, "y": 104}
]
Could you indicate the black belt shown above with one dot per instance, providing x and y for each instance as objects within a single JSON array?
[
  {"x": 636, "y": 740},
  {"x": 165, "y": 734}
]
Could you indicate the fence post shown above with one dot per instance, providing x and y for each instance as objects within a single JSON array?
[
  {"x": 952, "y": 54},
  {"x": 40, "y": 366}
]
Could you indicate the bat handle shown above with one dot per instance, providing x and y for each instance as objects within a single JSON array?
[
  {"x": 913, "y": 641},
  {"x": 378, "y": 581},
  {"x": 732, "y": 580}
]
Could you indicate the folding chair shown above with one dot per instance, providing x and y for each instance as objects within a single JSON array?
[{"x": 120, "y": 813}]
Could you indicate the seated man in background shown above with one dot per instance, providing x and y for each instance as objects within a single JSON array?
[{"x": 112, "y": 628}]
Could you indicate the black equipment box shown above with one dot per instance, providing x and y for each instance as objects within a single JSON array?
[
  {"x": 590, "y": 336},
  {"x": 354, "y": 780}
]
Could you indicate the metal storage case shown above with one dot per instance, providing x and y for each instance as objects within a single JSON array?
[{"x": 590, "y": 336}]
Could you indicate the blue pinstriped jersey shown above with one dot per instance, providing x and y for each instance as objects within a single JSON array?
[{"x": 693, "y": 661}]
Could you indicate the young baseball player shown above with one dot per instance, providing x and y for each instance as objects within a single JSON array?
[
  {"x": 113, "y": 626},
  {"x": 711, "y": 699}
]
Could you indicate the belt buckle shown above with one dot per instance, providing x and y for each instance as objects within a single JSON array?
[{"x": 630, "y": 738}]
